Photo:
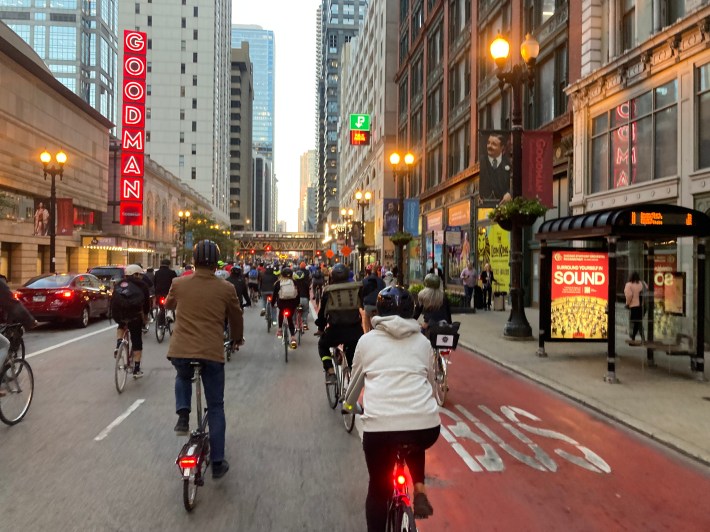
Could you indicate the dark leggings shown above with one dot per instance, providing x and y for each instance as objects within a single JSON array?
[
  {"x": 636, "y": 317},
  {"x": 380, "y": 455}
]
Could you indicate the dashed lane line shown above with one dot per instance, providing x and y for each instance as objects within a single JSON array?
[
  {"x": 116, "y": 422},
  {"x": 62, "y": 344}
]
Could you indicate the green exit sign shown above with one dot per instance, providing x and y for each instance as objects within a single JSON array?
[{"x": 360, "y": 122}]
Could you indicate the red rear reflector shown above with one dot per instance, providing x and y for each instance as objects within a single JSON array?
[
  {"x": 445, "y": 351},
  {"x": 401, "y": 480},
  {"x": 187, "y": 462},
  {"x": 162, "y": 301},
  {"x": 16, "y": 295},
  {"x": 268, "y": 298}
]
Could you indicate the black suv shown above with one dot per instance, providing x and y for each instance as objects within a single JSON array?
[{"x": 109, "y": 275}]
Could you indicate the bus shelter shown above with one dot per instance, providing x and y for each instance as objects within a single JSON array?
[{"x": 586, "y": 259}]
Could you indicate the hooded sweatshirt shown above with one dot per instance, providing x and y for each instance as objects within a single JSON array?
[{"x": 393, "y": 362}]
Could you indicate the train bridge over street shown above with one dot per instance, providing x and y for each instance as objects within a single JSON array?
[{"x": 263, "y": 242}]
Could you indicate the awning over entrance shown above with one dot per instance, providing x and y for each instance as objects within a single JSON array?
[{"x": 635, "y": 222}]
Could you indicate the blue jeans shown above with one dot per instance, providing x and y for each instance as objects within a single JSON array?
[
  {"x": 213, "y": 382},
  {"x": 305, "y": 303}
]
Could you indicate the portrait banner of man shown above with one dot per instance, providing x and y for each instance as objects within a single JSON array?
[
  {"x": 495, "y": 167},
  {"x": 391, "y": 217},
  {"x": 41, "y": 217}
]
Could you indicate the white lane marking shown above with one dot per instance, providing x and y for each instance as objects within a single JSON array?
[
  {"x": 46, "y": 349},
  {"x": 119, "y": 420}
]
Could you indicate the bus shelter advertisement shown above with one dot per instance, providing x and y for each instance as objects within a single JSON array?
[{"x": 580, "y": 283}]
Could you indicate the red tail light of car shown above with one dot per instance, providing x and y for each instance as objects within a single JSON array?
[{"x": 66, "y": 294}]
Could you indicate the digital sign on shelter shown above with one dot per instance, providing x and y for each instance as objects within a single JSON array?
[{"x": 135, "y": 46}]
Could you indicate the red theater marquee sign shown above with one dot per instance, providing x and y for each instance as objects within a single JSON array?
[{"x": 135, "y": 44}]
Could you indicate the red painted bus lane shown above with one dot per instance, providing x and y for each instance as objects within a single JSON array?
[{"x": 515, "y": 456}]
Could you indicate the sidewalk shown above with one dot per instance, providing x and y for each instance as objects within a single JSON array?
[{"x": 664, "y": 402}]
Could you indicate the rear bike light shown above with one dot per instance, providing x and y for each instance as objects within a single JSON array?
[
  {"x": 187, "y": 462},
  {"x": 401, "y": 480},
  {"x": 287, "y": 313},
  {"x": 161, "y": 301}
]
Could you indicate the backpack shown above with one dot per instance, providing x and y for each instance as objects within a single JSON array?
[
  {"x": 127, "y": 300},
  {"x": 287, "y": 289},
  {"x": 343, "y": 305},
  {"x": 253, "y": 274}
]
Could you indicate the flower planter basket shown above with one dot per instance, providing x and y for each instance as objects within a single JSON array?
[{"x": 401, "y": 239}]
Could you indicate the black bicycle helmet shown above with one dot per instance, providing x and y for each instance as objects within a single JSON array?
[
  {"x": 432, "y": 281},
  {"x": 339, "y": 273},
  {"x": 205, "y": 253},
  {"x": 395, "y": 301},
  {"x": 287, "y": 272}
]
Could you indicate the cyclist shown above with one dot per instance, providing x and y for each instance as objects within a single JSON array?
[
  {"x": 393, "y": 363},
  {"x": 220, "y": 271},
  {"x": 339, "y": 320},
  {"x": 203, "y": 302},
  {"x": 317, "y": 280},
  {"x": 371, "y": 286},
  {"x": 131, "y": 313},
  {"x": 302, "y": 280},
  {"x": 286, "y": 297},
  {"x": 163, "y": 279},
  {"x": 14, "y": 312},
  {"x": 253, "y": 276},
  {"x": 266, "y": 285},
  {"x": 432, "y": 304},
  {"x": 237, "y": 279}
]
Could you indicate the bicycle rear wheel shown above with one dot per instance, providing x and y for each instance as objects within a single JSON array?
[
  {"x": 285, "y": 340},
  {"x": 269, "y": 317},
  {"x": 299, "y": 326},
  {"x": 331, "y": 388},
  {"x": 440, "y": 380},
  {"x": 349, "y": 416},
  {"x": 160, "y": 326},
  {"x": 400, "y": 518},
  {"x": 18, "y": 382},
  {"x": 189, "y": 490},
  {"x": 18, "y": 351},
  {"x": 121, "y": 367}
]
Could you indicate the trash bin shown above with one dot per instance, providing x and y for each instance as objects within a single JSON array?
[{"x": 499, "y": 300}]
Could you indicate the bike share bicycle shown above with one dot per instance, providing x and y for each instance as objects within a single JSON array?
[
  {"x": 163, "y": 321},
  {"x": 16, "y": 378},
  {"x": 269, "y": 313},
  {"x": 444, "y": 338},
  {"x": 124, "y": 360}
]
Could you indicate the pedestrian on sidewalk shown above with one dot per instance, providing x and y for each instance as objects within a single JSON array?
[
  {"x": 634, "y": 302},
  {"x": 469, "y": 277},
  {"x": 487, "y": 280}
]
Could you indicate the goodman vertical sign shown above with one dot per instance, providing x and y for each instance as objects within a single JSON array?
[
  {"x": 133, "y": 127},
  {"x": 579, "y": 297}
]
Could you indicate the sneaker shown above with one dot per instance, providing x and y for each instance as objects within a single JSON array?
[
  {"x": 294, "y": 344},
  {"x": 137, "y": 372},
  {"x": 305, "y": 326},
  {"x": 279, "y": 334},
  {"x": 422, "y": 506},
  {"x": 219, "y": 469},
  {"x": 182, "y": 427},
  {"x": 262, "y": 313}
]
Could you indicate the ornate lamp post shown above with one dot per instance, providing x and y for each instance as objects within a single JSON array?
[
  {"x": 517, "y": 325},
  {"x": 53, "y": 171},
  {"x": 399, "y": 175},
  {"x": 363, "y": 200},
  {"x": 183, "y": 216}
]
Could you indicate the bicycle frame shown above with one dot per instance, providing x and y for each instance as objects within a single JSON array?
[{"x": 400, "y": 515}]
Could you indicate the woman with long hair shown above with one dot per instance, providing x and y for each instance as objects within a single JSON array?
[
  {"x": 432, "y": 303},
  {"x": 634, "y": 302}
]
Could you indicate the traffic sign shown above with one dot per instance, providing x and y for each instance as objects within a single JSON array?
[
  {"x": 329, "y": 253},
  {"x": 346, "y": 251},
  {"x": 359, "y": 138},
  {"x": 360, "y": 122}
]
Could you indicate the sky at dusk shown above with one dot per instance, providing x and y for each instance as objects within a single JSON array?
[{"x": 294, "y": 25}]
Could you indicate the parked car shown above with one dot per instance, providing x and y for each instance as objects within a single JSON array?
[
  {"x": 109, "y": 275},
  {"x": 65, "y": 296}
]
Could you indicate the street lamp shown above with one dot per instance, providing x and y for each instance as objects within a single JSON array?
[
  {"x": 363, "y": 200},
  {"x": 347, "y": 217},
  {"x": 184, "y": 216},
  {"x": 517, "y": 325},
  {"x": 395, "y": 159},
  {"x": 54, "y": 171}
]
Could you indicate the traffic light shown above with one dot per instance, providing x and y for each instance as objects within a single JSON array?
[
  {"x": 252, "y": 251},
  {"x": 268, "y": 247},
  {"x": 318, "y": 252}
]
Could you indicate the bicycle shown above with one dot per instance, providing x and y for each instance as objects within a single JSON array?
[
  {"x": 254, "y": 293},
  {"x": 124, "y": 360},
  {"x": 14, "y": 333},
  {"x": 194, "y": 457},
  {"x": 335, "y": 391},
  {"x": 443, "y": 338},
  {"x": 286, "y": 332},
  {"x": 163, "y": 322},
  {"x": 16, "y": 380},
  {"x": 400, "y": 514},
  {"x": 317, "y": 293}
]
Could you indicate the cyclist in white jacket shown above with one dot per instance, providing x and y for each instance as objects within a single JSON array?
[{"x": 393, "y": 362}]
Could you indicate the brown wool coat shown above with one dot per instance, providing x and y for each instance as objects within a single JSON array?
[{"x": 202, "y": 302}]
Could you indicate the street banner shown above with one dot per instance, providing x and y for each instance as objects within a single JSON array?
[
  {"x": 499, "y": 250},
  {"x": 579, "y": 297},
  {"x": 537, "y": 166},
  {"x": 496, "y": 169},
  {"x": 435, "y": 221},
  {"x": 41, "y": 217},
  {"x": 391, "y": 216},
  {"x": 411, "y": 216},
  {"x": 65, "y": 217},
  {"x": 460, "y": 214},
  {"x": 370, "y": 234}
]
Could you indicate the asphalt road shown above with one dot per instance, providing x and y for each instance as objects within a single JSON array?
[{"x": 512, "y": 456}]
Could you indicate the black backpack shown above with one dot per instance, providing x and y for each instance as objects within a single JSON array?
[{"x": 127, "y": 301}]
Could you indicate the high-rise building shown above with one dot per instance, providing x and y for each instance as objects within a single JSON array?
[
  {"x": 240, "y": 140},
  {"x": 308, "y": 180},
  {"x": 77, "y": 41},
  {"x": 261, "y": 52},
  {"x": 187, "y": 85},
  {"x": 264, "y": 218},
  {"x": 339, "y": 21}
]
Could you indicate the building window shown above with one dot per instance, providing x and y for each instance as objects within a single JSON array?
[
  {"x": 433, "y": 166},
  {"x": 551, "y": 72},
  {"x": 459, "y": 16},
  {"x": 150, "y": 44},
  {"x": 628, "y": 24},
  {"x": 150, "y": 20},
  {"x": 148, "y": 89},
  {"x": 703, "y": 115},
  {"x": 403, "y": 100},
  {"x": 459, "y": 81},
  {"x": 194, "y": 35},
  {"x": 183, "y": 22},
  {"x": 149, "y": 66},
  {"x": 403, "y": 47},
  {"x": 435, "y": 108},
  {"x": 538, "y": 12},
  {"x": 194, "y": 80},
  {"x": 182, "y": 114},
  {"x": 194, "y": 103},
  {"x": 182, "y": 91},
  {"x": 194, "y": 149},
  {"x": 435, "y": 48},
  {"x": 181, "y": 161},
  {"x": 417, "y": 77},
  {"x": 182, "y": 137},
  {"x": 183, "y": 46},
  {"x": 636, "y": 141},
  {"x": 194, "y": 57},
  {"x": 194, "y": 11},
  {"x": 194, "y": 126},
  {"x": 459, "y": 149},
  {"x": 182, "y": 68},
  {"x": 138, "y": 8},
  {"x": 194, "y": 173}
]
